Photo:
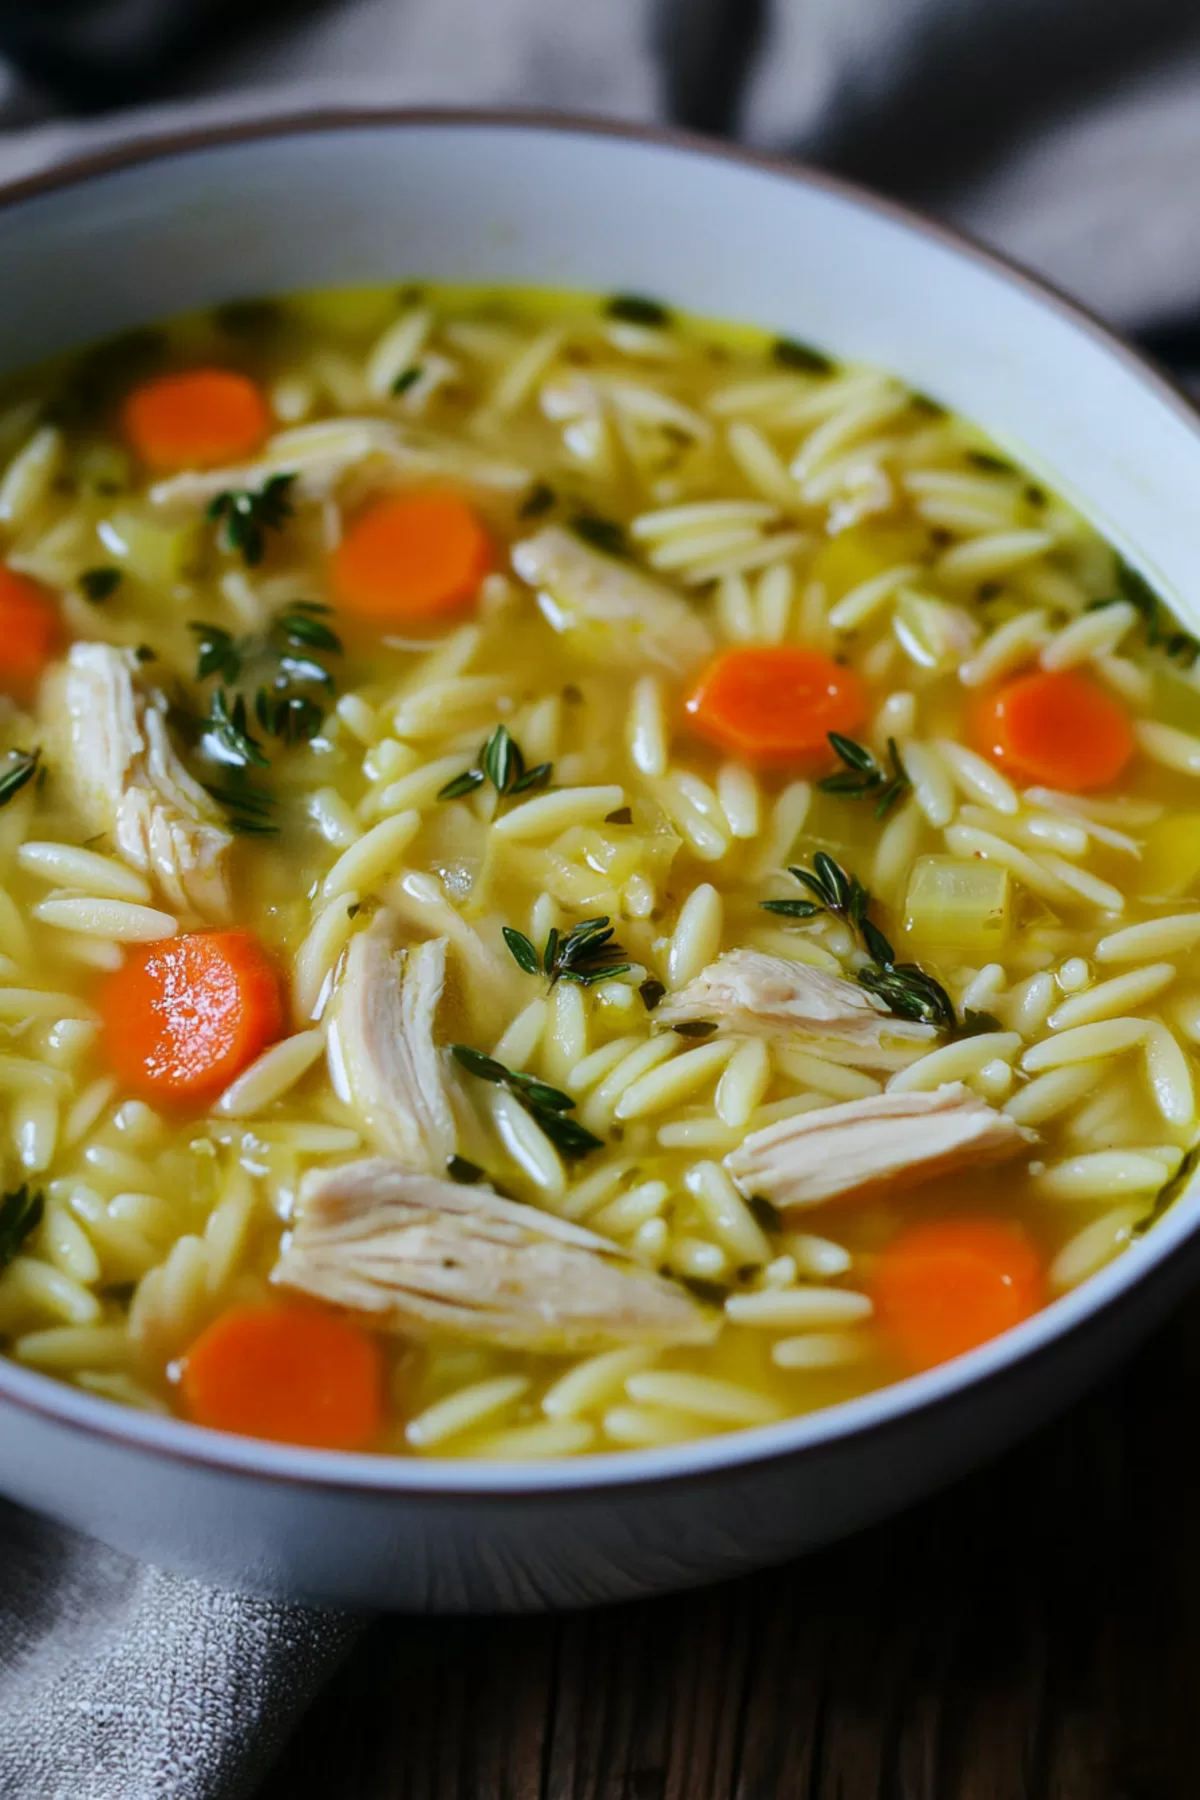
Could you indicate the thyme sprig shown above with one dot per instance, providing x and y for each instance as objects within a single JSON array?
[
  {"x": 905, "y": 989},
  {"x": 288, "y": 650},
  {"x": 245, "y": 515},
  {"x": 1180, "y": 646},
  {"x": 586, "y": 954},
  {"x": 501, "y": 762},
  {"x": 21, "y": 767},
  {"x": 547, "y": 1106},
  {"x": 863, "y": 777},
  {"x": 20, "y": 1214},
  {"x": 247, "y": 808}
]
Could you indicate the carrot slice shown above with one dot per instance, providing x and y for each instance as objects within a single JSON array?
[
  {"x": 184, "y": 1015},
  {"x": 31, "y": 633},
  {"x": 288, "y": 1373},
  {"x": 411, "y": 557},
  {"x": 1056, "y": 727},
  {"x": 196, "y": 419},
  {"x": 941, "y": 1289},
  {"x": 775, "y": 703}
]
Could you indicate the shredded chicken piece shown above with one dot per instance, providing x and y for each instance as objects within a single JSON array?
[
  {"x": 409, "y": 1252},
  {"x": 382, "y": 1057},
  {"x": 885, "y": 1141},
  {"x": 770, "y": 996},
  {"x": 122, "y": 768},
  {"x": 619, "y": 615},
  {"x": 319, "y": 455}
]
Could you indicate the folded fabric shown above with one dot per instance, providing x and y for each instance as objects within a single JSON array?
[{"x": 119, "y": 1682}]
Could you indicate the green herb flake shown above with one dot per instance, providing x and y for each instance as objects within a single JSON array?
[
  {"x": 20, "y": 767},
  {"x": 245, "y": 515},
  {"x": 466, "y": 1173},
  {"x": 790, "y": 353},
  {"x": 540, "y": 498},
  {"x": 99, "y": 585},
  {"x": 696, "y": 1028},
  {"x": 622, "y": 816},
  {"x": 765, "y": 1212},
  {"x": 406, "y": 379},
  {"x": 21, "y": 1213},
  {"x": 989, "y": 463},
  {"x": 602, "y": 534},
  {"x": 637, "y": 309},
  {"x": 711, "y": 1293},
  {"x": 652, "y": 992}
]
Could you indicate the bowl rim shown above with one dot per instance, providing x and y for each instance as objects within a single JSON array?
[{"x": 602, "y": 1473}]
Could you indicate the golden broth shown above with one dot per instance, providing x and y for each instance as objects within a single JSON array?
[{"x": 833, "y": 510}]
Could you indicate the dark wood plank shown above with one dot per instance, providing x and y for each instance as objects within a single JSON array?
[{"x": 1032, "y": 1634}]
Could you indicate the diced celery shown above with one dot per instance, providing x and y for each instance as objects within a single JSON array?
[
  {"x": 1176, "y": 701},
  {"x": 156, "y": 550},
  {"x": 858, "y": 554},
  {"x": 349, "y": 310},
  {"x": 960, "y": 908},
  {"x": 1170, "y": 863}
]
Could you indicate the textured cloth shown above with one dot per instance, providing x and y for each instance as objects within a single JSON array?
[
  {"x": 118, "y": 1682},
  {"x": 1064, "y": 131}
]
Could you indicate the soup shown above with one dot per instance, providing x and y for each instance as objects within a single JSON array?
[{"x": 573, "y": 878}]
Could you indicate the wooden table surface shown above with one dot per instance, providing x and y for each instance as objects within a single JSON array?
[{"x": 1031, "y": 1634}]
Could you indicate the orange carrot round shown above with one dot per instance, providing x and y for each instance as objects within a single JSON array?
[
  {"x": 941, "y": 1289},
  {"x": 775, "y": 703},
  {"x": 31, "y": 633},
  {"x": 184, "y": 1015},
  {"x": 1059, "y": 728},
  {"x": 288, "y": 1373},
  {"x": 411, "y": 557},
  {"x": 196, "y": 419}
]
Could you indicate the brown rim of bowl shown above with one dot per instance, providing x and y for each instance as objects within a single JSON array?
[{"x": 327, "y": 1470}]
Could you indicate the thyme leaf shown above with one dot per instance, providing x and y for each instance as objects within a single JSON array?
[
  {"x": 546, "y": 1105},
  {"x": 789, "y": 353},
  {"x": 638, "y": 309},
  {"x": 247, "y": 809},
  {"x": 21, "y": 767},
  {"x": 20, "y": 1214},
  {"x": 99, "y": 585},
  {"x": 458, "y": 1168},
  {"x": 864, "y": 778},
  {"x": 540, "y": 498},
  {"x": 245, "y": 515},
  {"x": 406, "y": 378},
  {"x": 601, "y": 534},
  {"x": 652, "y": 992},
  {"x": 228, "y": 735}
]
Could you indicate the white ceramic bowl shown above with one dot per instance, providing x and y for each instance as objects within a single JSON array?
[{"x": 122, "y": 240}]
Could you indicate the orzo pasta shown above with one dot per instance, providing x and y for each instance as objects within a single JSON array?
[{"x": 570, "y": 878}]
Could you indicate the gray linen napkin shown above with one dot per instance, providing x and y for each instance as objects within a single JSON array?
[
  {"x": 119, "y": 1682},
  {"x": 1065, "y": 131}
]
